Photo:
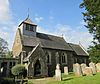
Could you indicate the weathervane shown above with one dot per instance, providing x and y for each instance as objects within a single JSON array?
[
  {"x": 28, "y": 13},
  {"x": 62, "y": 35}
]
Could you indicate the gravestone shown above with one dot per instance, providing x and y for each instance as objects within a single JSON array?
[
  {"x": 77, "y": 69},
  {"x": 98, "y": 67},
  {"x": 88, "y": 71},
  {"x": 58, "y": 73},
  {"x": 66, "y": 70},
  {"x": 92, "y": 65},
  {"x": 83, "y": 66}
]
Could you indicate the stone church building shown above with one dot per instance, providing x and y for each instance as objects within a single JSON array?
[{"x": 41, "y": 52}]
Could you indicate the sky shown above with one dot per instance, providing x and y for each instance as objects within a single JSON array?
[{"x": 55, "y": 17}]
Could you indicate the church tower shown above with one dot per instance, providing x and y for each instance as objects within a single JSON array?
[{"x": 28, "y": 28}]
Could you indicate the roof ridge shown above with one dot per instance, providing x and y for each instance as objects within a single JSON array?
[
  {"x": 50, "y": 35},
  {"x": 28, "y": 21}
]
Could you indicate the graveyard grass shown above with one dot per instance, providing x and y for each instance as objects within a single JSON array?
[{"x": 71, "y": 79}]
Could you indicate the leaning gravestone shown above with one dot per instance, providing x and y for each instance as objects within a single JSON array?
[
  {"x": 83, "y": 66},
  {"x": 58, "y": 73},
  {"x": 88, "y": 71},
  {"x": 77, "y": 69},
  {"x": 66, "y": 70},
  {"x": 92, "y": 65},
  {"x": 98, "y": 67}
]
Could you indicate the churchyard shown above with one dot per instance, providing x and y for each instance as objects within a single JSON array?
[
  {"x": 81, "y": 75},
  {"x": 68, "y": 79}
]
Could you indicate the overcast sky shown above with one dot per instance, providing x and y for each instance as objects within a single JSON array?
[{"x": 57, "y": 17}]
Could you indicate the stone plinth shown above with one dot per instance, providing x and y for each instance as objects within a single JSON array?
[
  {"x": 66, "y": 70},
  {"x": 92, "y": 65}
]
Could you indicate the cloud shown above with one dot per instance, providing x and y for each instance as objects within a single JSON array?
[
  {"x": 39, "y": 19},
  {"x": 7, "y": 26},
  {"x": 4, "y": 11},
  {"x": 71, "y": 35},
  {"x": 4, "y": 34}
]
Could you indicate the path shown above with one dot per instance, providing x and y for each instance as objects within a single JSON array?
[{"x": 42, "y": 80}]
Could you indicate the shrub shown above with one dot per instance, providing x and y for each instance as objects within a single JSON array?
[{"x": 19, "y": 70}]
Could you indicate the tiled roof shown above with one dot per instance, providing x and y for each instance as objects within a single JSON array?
[
  {"x": 28, "y": 21},
  {"x": 46, "y": 41},
  {"x": 78, "y": 50}
]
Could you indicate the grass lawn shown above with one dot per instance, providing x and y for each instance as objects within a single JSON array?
[{"x": 69, "y": 79}]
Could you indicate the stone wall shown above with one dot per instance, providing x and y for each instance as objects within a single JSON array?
[
  {"x": 17, "y": 46},
  {"x": 50, "y": 66}
]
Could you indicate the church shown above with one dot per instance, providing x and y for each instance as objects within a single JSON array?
[{"x": 42, "y": 52}]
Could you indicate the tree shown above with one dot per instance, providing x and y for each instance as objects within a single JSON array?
[
  {"x": 92, "y": 18},
  {"x": 3, "y": 47},
  {"x": 19, "y": 70},
  {"x": 94, "y": 54},
  {"x": 9, "y": 54}
]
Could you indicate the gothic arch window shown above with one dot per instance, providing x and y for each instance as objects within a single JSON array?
[
  {"x": 48, "y": 57},
  {"x": 57, "y": 57},
  {"x": 64, "y": 58}
]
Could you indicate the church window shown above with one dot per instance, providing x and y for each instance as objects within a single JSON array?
[
  {"x": 48, "y": 54},
  {"x": 64, "y": 58},
  {"x": 48, "y": 59},
  {"x": 80, "y": 61},
  {"x": 57, "y": 57}
]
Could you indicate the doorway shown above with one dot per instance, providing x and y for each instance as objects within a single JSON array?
[{"x": 37, "y": 68}]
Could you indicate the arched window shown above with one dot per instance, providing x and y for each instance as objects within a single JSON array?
[
  {"x": 64, "y": 58},
  {"x": 48, "y": 56},
  {"x": 48, "y": 59},
  {"x": 57, "y": 57}
]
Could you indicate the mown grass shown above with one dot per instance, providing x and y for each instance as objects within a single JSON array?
[{"x": 71, "y": 79}]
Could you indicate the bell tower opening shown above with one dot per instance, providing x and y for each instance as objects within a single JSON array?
[{"x": 28, "y": 28}]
